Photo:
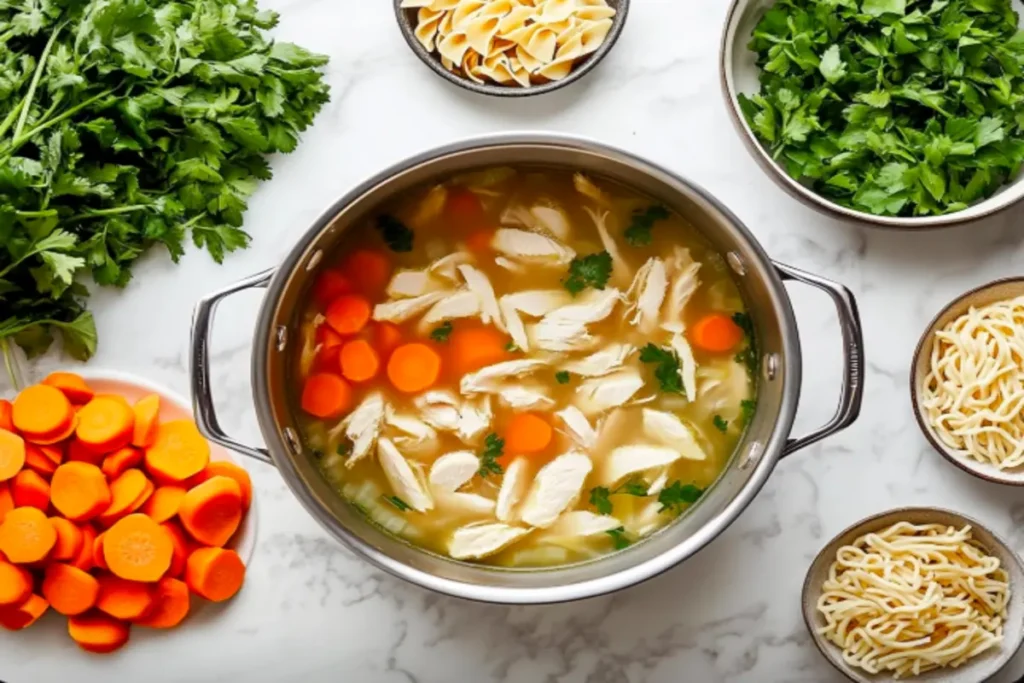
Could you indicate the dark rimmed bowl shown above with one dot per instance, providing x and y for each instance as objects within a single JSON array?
[
  {"x": 998, "y": 290},
  {"x": 407, "y": 23},
  {"x": 976, "y": 669}
]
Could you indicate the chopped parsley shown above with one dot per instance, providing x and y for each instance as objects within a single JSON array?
[
  {"x": 677, "y": 495},
  {"x": 600, "y": 497},
  {"x": 562, "y": 376},
  {"x": 619, "y": 538},
  {"x": 666, "y": 369},
  {"x": 396, "y": 234},
  {"x": 747, "y": 408},
  {"x": 748, "y": 354},
  {"x": 720, "y": 424},
  {"x": 442, "y": 332},
  {"x": 493, "y": 449},
  {"x": 588, "y": 271},
  {"x": 398, "y": 503},
  {"x": 638, "y": 234}
]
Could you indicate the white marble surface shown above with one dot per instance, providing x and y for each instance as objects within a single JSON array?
[{"x": 311, "y": 611}]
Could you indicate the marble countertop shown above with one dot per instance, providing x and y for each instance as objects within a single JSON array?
[{"x": 312, "y": 611}]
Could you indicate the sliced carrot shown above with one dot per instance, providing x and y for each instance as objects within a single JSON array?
[
  {"x": 464, "y": 207},
  {"x": 359, "y": 361},
  {"x": 329, "y": 285},
  {"x": 137, "y": 549},
  {"x": 12, "y": 454},
  {"x": 121, "y": 460},
  {"x": 41, "y": 410},
  {"x": 471, "y": 348},
  {"x": 15, "y": 584},
  {"x": 147, "y": 412},
  {"x": 30, "y": 490},
  {"x": 26, "y": 535},
  {"x": 326, "y": 337},
  {"x": 527, "y": 433},
  {"x": 479, "y": 241},
  {"x": 69, "y": 590},
  {"x": 181, "y": 549},
  {"x": 6, "y": 500},
  {"x": 327, "y": 359},
  {"x": 326, "y": 395},
  {"x": 348, "y": 314},
  {"x": 98, "y": 632},
  {"x": 715, "y": 333},
  {"x": 84, "y": 560},
  {"x": 369, "y": 271},
  {"x": 106, "y": 423},
  {"x": 164, "y": 503},
  {"x": 69, "y": 540},
  {"x": 73, "y": 386},
  {"x": 143, "y": 497},
  {"x": 214, "y": 573},
  {"x": 124, "y": 491},
  {"x": 124, "y": 599},
  {"x": 56, "y": 436},
  {"x": 178, "y": 452},
  {"x": 79, "y": 491},
  {"x": 98, "y": 558},
  {"x": 79, "y": 452},
  {"x": 53, "y": 452},
  {"x": 171, "y": 604},
  {"x": 39, "y": 462},
  {"x": 386, "y": 337},
  {"x": 6, "y": 420},
  {"x": 212, "y": 511},
  {"x": 227, "y": 468},
  {"x": 414, "y": 367},
  {"x": 17, "y": 617}
]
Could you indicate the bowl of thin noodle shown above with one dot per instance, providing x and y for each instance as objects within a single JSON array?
[
  {"x": 919, "y": 593},
  {"x": 967, "y": 382}
]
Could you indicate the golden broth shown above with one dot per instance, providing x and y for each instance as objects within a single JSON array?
[{"x": 440, "y": 228}]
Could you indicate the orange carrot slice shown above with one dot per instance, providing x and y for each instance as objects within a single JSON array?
[
  {"x": 715, "y": 333},
  {"x": 137, "y": 549},
  {"x": 479, "y": 241},
  {"x": 471, "y": 348},
  {"x": 121, "y": 460},
  {"x": 41, "y": 410},
  {"x": 414, "y": 367},
  {"x": 368, "y": 270},
  {"x": 124, "y": 491},
  {"x": 171, "y": 605},
  {"x": 527, "y": 433},
  {"x": 359, "y": 361},
  {"x": 98, "y": 558},
  {"x": 56, "y": 436},
  {"x": 329, "y": 285},
  {"x": 105, "y": 423},
  {"x": 79, "y": 491},
  {"x": 143, "y": 497},
  {"x": 147, "y": 412},
  {"x": 214, "y": 573},
  {"x": 30, "y": 490},
  {"x": 84, "y": 560},
  {"x": 17, "y": 617},
  {"x": 6, "y": 410},
  {"x": 348, "y": 314},
  {"x": 212, "y": 511},
  {"x": 39, "y": 462},
  {"x": 325, "y": 395},
  {"x": 98, "y": 632},
  {"x": 226, "y": 468},
  {"x": 73, "y": 386},
  {"x": 15, "y": 584},
  {"x": 26, "y": 535},
  {"x": 165, "y": 501},
  {"x": 79, "y": 452},
  {"x": 69, "y": 590},
  {"x": 386, "y": 337},
  {"x": 69, "y": 540},
  {"x": 178, "y": 452},
  {"x": 124, "y": 599},
  {"x": 6, "y": 500},
  {"x": 12, "y": 454},
  {"x": 463, "y": 207},
  {"x": 181, "y": 549}
]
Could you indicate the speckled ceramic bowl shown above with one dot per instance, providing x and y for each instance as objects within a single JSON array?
[
  {"x": 998, "y": 290},
  {"x": 980, "y": 668},
  {"x": 407, "y": 23}
]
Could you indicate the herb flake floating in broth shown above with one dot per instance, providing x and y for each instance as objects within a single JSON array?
[
  {"x": 589, "y": 271},
  {"x": 666, "y": 368},
  {"x": 638, "y": 234}
]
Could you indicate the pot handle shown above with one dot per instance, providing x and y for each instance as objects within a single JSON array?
[
  {"x": 851, "y": 393},
  {"x": 202, "y": 399}
]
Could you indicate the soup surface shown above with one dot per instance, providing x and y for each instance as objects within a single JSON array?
[{"x": 524, "y": 367}]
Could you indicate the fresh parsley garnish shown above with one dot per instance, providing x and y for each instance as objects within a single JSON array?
[
  {"x": 398, "y": 503},
  {"x": 747, "y": 408},
  {"x": 747, "y": 356},
  {"x": 600, "y": 496},
  {"x": 619, "y": 538},
  {"x": 588, "y": 271},
  {"x": 562, "y": 376},
  {"x": 442, "y": 332},
  {"x": 677, "y": 495},
  {"x": 396, "y": 234},
  {"x": 720, "y": 424},
  {"x": 638, "y": 234},
  {"x": 666, "y": 369},
  {"x": 494, "y": 446},
  {"x": 893, "y": 107}
]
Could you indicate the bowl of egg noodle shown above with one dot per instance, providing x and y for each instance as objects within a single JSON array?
[
  {"x": 967, "y": 382},
  {"x": 920, "y": 593}
]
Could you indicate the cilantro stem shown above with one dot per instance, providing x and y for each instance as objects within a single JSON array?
[
  {"x": 10, "y": 118},
  {"x": 40, "y": 67},
  {"x": 42, "y": 213},
  {"x": 5, "y": 348},
  {"x": 18, "y": 141},
  {"x": 108, "y": 212}
]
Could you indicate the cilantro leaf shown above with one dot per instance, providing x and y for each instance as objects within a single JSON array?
[
  {"x": 396, "y": 234},
  {"x": 588, "y": 271},
  {"x": 638, "y": 234},
  {"x": 720, "y": 424},
  {"x": 600, "y": 496},
  {"x": 619, "y": 538},
  {"x": 599, "y": 499},
  {"x": 747, "y": 408},
  {"x": 677, "y": 496},
  {"x": 442, "y": 332},
  {"x": 493, "y": 449},
  {"x": 748, "y": 355},
  {"x": 562, "y": 377},
  {"x": 666, "y": 368}
]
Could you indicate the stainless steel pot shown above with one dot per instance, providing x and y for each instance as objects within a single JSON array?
[{"x": 766, "y": 441}]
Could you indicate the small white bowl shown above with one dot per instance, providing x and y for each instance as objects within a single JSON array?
[
  {"x": 173, "y": 407},
  {"x": 979, "y": 668}
]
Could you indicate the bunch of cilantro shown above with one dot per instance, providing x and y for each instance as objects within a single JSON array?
[
  {"x": 125, "y": 124},
  {"x": 893, "y": 107}
]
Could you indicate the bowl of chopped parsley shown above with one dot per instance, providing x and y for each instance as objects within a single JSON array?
[{"x": 900, "y": 113}]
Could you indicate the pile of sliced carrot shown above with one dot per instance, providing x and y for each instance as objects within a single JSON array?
[{"x": 109, "y": 516}]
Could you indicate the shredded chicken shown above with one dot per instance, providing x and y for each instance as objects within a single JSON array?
[{"x": 531, "y": 248}]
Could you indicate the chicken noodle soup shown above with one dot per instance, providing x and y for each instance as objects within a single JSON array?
[{"x": 524, "y": 367}]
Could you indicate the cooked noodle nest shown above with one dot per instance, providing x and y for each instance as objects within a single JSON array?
[
  {"x": 973, "y": 394},
  {"x": 912, "y": 598},
  {"x": 511, "y": 42}
]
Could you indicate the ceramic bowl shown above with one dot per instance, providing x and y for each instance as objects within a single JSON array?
[
  {"x": 979, "y": 668},
  {"x": 174, "y": 407},
  {"x": 407, "y": 23},
  {"x": 982, "y": 296},
  {"x": 738, "y": 73}
]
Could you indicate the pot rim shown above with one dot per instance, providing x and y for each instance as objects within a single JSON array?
[{"x": 773, "y": 444}]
